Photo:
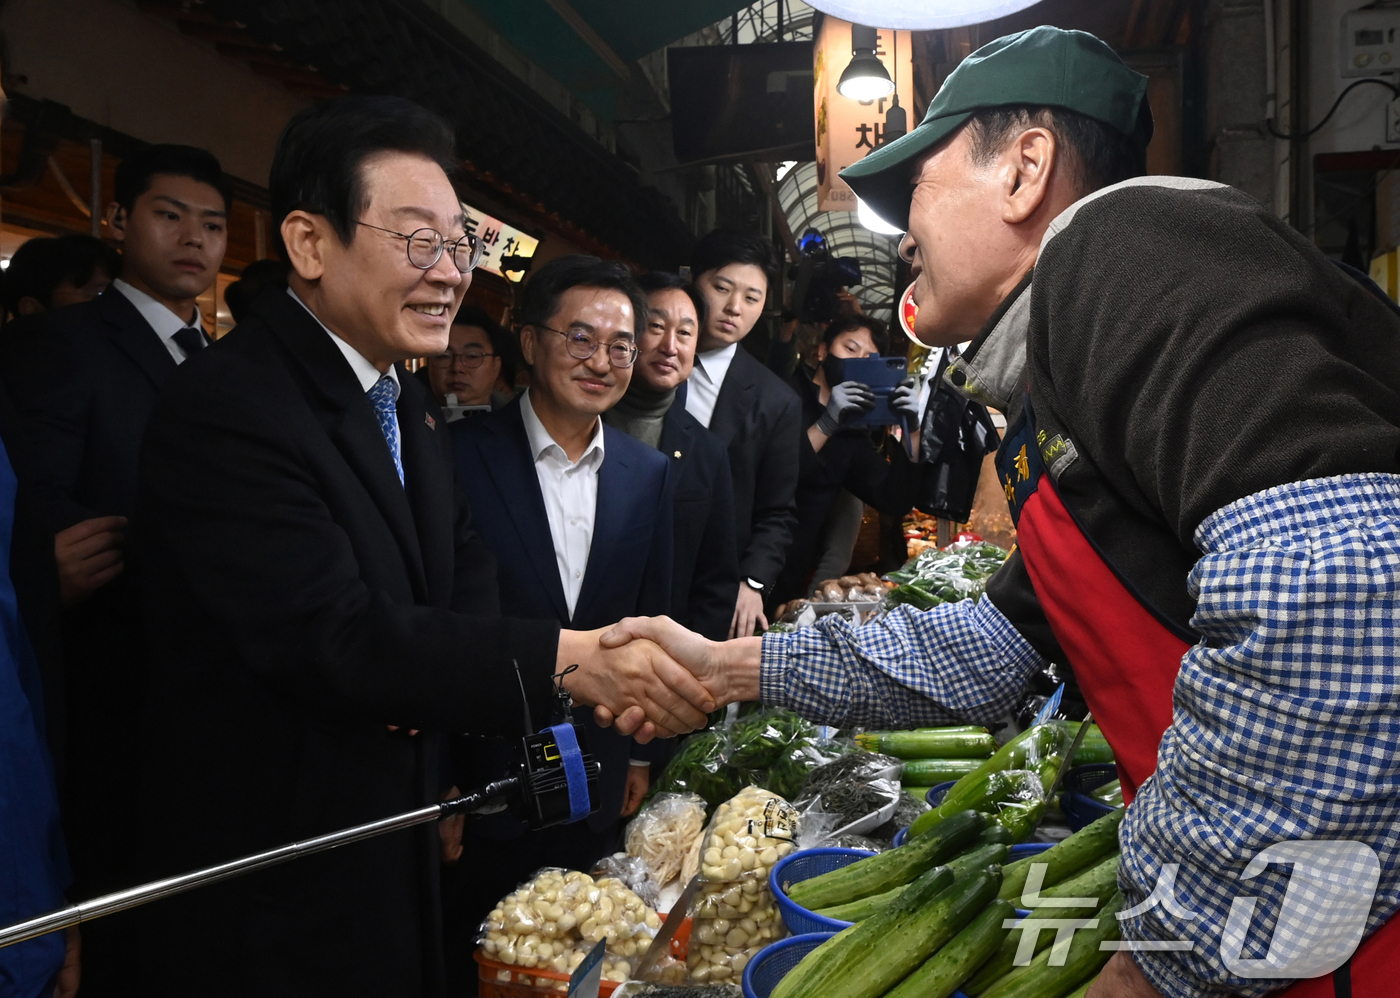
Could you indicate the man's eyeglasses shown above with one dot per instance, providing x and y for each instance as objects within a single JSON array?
[
  {"x": 471, "y": 359},
  {"x": 426, "y": 246},
  {"x": 581, "y": 346}
]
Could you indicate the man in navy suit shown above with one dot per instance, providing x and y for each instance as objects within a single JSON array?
[
  {"x": 578, "y": 515},
  {"x": 99, "y": 369}
]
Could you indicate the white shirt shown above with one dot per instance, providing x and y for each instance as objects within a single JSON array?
[
  {"x": 165, "y": 322},
  {"x": 366, "y": 372},
  {"x": 570, "y": 491},
  {"x": 705, "y": 382}
]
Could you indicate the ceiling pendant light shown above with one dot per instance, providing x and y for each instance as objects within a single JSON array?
[
  {"x": 920, "y": 15},
  {"x": 866, "y": 78}
]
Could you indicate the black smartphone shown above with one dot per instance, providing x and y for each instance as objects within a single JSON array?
[{"x": 883, "y": 375}]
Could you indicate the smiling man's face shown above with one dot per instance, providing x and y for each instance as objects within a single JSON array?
[
  {"x": 582, "y": 387},
  {"x": 370, "y": 294}
]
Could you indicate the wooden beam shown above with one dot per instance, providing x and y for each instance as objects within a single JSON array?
[{"x": 590, "y": 37}]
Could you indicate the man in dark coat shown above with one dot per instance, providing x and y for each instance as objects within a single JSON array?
[
  {"x": 755, "y": 415},
  {"x": 319, "y": 604}
]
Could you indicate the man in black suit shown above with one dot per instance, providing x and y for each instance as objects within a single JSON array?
[
  {"x": 100, "y": 367},
  {"x": 318, "y": 600},
  {"x": 706, "y": 576},
  {"x": 749, "y": 408}
]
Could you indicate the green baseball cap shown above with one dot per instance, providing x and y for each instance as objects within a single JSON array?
[{"x": 1042, "y": 67}]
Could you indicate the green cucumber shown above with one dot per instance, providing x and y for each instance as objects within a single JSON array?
[
  {"x": 1097, "y": 882},
  {"x": 1020, "y": 820},
  {"x": 930, "y": 743},
  {"x": 856, "y": 911},
  {"x": 833, "y": 952},
  {"x": 1082, "y": 963},
  {"x": 977, "y": 858},
  {"x": 995, "y": 834},
  {"x": 881, "y": 951},
  {"x": 1081, "y": 850},
  {"x": 940, "y": 975},
  {"x": 1093, "y": 749},
  {"x": 934, "y": 771},
  {"x": 1110, "y": 793},
  {"x": 1040, "y": 747},
  {"x": 890, "y": 869},
  {"x": 1083, "y": 989},
  {"x": 969, "y": 862}
]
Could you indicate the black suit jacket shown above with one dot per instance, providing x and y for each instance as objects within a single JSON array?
[
  {"x": 95, "y": 371},
  {"x": 758, "y": 418},
  {"x": 300, "y": 601},
  {"x": 707, "y": 566},
  {"x": 629, "y": 561}
]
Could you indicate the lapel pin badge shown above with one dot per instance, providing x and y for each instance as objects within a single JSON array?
[{"x": 428, "y": 418}]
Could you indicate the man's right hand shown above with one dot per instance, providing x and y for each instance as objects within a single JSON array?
[
  {"x": 89, "y": 555},
  {"x": 635, "y": 686},
  {"x": 728, "y": 669}
]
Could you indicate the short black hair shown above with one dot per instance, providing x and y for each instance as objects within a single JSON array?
[
  {"x": 547, "y": 286},
  {"x": 846, "y": 323},
  {"x": 658, "y": 280},
  {"x": 257, "y": 277},
  {"x": 43, "y": 263},
  {"x": 722, "y": 247},
  {"x": 1099, "y": 154},
  {"x": 320, "y": 154},
  {"x": 502, "y": 342},
  {"x": 134, "y": 173}
]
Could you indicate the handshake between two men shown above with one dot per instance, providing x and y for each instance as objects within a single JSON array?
[{"x": 649, "y": 677}]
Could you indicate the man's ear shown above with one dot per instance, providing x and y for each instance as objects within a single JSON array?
[
  {"x": 304, "y": 235},
  {"x": 29, "y": 305},
  {"x": 1031, "y": 160},
  {"x": 116, "y": 221},
  {"x": 528, "y": 342}
]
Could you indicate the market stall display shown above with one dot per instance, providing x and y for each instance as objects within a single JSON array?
[
  {"x": 664, "y": 832},
  {"x": 929, "y": 917},
  {"x": 945, "y": 575},
  {"x": 860, "y": 791}
]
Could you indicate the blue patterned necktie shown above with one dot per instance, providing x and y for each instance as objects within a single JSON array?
[{"x": 385, "y": 400}]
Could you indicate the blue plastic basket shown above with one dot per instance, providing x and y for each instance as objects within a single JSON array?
[
  {"x": 804, "y": 865},
  {"x": 937, "y": 792},
  {"x": 772, "y": 963},
  {"x": 1081, "y": 809}
]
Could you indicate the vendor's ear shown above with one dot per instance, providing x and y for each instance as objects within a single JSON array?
[{"x": 1030, "y": 162}]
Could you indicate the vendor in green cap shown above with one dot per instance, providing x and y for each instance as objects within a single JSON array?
[{"x": 1203, "y": 460}]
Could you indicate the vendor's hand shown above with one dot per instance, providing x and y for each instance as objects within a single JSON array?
[
  {"x": 638, "y": 780},
  {"x": 748, "y": 613},
  {"x": 904, "y": 399},
  {"x": 635, "y": 686},
  {"x": 67, "y": 980},
  {"x": 89, "y": 555},
  {"x": 849, "y": 401},
  {"x": 1121, "y": 978},
  {"x": 450, "y": 831},
  {"x": 729, "y": 669}
]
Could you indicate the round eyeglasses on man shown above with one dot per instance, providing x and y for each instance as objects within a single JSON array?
[
  {"x": 426, "y": 246},
  {"x": 582, "y": 345}
]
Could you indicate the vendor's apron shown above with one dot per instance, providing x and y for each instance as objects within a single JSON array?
[{"x": 1126, "y": 659}]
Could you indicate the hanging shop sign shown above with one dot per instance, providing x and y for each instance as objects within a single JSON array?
[
  {"x": 848, "y": 129},
  {"x": 501, "y": 240}
]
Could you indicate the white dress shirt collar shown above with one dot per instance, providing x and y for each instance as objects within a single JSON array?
[
  {"x": 367, "y": 374},
  {"x": 541, "y": 441},
  {"x": 706, "y": 379},
  {"x": 165, "y": 322}
]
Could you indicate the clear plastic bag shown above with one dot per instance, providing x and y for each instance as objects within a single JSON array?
[
  {"x": 734, "y": 914},
  {"x": 553, "y": 920},
  {"x": 664, "y": 832}
]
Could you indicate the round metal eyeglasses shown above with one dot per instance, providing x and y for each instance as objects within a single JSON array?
[
  {"x": 426, "y": 246},
  {"x": 581, "y": 346},
  {"x": 471, "y": 359}
]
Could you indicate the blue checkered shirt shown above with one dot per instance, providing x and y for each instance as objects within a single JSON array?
[{"x": 1286, "y": 721}]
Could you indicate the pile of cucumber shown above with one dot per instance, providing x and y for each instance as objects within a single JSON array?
[
  {"x": 929, "y": 916},
  {"x": 938, "y": 755}
]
